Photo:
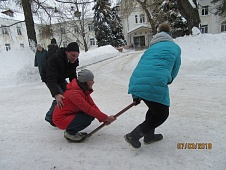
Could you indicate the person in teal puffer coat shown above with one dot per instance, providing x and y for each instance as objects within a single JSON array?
[{"x": 157, "y": 68}]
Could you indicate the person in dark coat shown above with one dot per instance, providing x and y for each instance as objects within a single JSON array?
[
  {"x": 157, "y": 68},
  {"x": 40, "y": 58},
  {"x": 52, "y": 48},
  {"x": 61, "y": 65}
]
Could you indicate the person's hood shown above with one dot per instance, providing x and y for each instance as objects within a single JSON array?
[
  {"x": 73, "y": 85},
  {"x": 160, "y": 37},
  {"x": 51, "y": 46}
]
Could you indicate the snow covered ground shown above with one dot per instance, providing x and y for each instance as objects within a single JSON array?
[{"x": 197, "y": 114}]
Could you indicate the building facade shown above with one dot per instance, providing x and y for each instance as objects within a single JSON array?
[{"x": 136, "y": 29}]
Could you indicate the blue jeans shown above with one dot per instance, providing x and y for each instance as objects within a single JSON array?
[
  {"x": 80, "y": 122},
  {"x": 49, "y": 114}
]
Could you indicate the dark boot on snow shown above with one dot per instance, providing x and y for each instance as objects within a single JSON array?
[
  {"x": 133, "y": 137},
  {"x": 151, "y": 137}
]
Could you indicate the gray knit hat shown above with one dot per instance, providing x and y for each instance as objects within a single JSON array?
[{"x": 85, "y": 75}]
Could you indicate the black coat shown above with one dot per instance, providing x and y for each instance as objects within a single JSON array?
[
  {"x": 57, "y": 70},
  {"x": 52, "y": 48}
]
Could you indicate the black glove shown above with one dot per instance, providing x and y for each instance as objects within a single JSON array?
[{"x": 136, "y": 101}]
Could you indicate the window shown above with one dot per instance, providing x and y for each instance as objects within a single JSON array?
[
  {"x": 90, "y": 26},
  {"x": 142, "y": 18},
  {"x": 63, "y": 31},
  {"x": 21, "y": 45},
  {"x": 92, "y": 41},
  {"x": 205, "y": 10},
  {"x": 204, "y": 29},
  {"x": 76, "y": 29},
  {"x": 4, "y": 30},
  {"x": 136, "y": 19},
  {"x": 7, "y": 46},
  {"x": 65, "y": 44},
  {"x": 19, "y": 31},
  {"x": 223, "y": 27}
]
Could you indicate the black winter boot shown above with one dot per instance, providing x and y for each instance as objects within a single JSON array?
[
  {"x": 133, "y": 137},
  {"x": 152, "y": 137}
]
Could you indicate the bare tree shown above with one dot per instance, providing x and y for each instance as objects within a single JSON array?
[
  {"x": 220, "y": 6},
  {"x": 26, "y": 4}
]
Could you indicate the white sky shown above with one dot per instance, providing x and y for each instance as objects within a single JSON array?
[{"x": 197, "y": 113}]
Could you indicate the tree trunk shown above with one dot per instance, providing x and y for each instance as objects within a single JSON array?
[
  {"x": 29, "y": 24},
  {"x": 151, "y": 21},
  {"x": 189, "y": 13}
]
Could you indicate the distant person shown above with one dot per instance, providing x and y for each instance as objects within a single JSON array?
[
  {"x": 79, "y": 109},
  {"x": 157, "y": 68},
  {"x": 52, "y": 48},
  {"x": 61, "y": 65},
  {"x": 40, "y": 58}
]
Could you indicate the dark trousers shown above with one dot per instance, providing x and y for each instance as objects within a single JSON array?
[
  {"x": 157, "y": 114},
  {"x": 62, "y": 88},
  {"x": 80, "y": 122}
]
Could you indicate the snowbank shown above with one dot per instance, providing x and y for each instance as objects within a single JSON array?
[{"x": 17, "y": 65}]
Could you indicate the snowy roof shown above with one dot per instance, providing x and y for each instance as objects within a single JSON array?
[{"x": 142, "y": 26}]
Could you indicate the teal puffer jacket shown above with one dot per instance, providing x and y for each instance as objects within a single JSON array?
[{"x": 158, "y": 67}]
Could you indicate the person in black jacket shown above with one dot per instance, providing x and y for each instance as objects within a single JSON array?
[
  {"x": 61, "y": 65},
  {"x": 52, "y": 48}
]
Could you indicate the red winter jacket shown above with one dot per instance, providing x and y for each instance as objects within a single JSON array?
[{"x": 75, "y": 101}]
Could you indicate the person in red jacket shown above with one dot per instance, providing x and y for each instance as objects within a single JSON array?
[{"x": 79, "y": 109}]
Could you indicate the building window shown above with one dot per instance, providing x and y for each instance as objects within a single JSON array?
[
  {"x": 19, "y": 32},
  {"x": 136, "y": 19},
  {"x": 63, "y": 31},
  {"x": 76, "y": 29},
  {"x": 205, "y": 10},
  {"x": 21, "y": 45},
  {"x": 7, "y": 46},
  {"x": 223, "y": 27},
  {"x": 142, "y": 18},
  {"x": 65, "y": 44},
  {"x": 92, "y": 41},
  {"x": 4, "y": 30},
  {"x": 90, "y": 26},
  {"x": 204, "y": 29}
]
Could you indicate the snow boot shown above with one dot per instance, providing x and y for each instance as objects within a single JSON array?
[
  {"x": 78, "y": 137},
  {"x": 133, "y": 137},
  {"x": 152, "y": 137}
]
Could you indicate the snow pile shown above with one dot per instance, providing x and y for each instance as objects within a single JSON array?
[
  {"x": 17, "y": 67},
  {"x": 96, "y": 55},
  {"x": 204, "y": 54}
]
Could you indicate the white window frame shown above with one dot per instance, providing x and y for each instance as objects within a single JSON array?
[
  {"x": 223, "y": 27},
  {"x": 92, "y": 41},
  {"x": 63, "y": 31},
  {"x": 142, "y": 18},
  {"x": 4, "y": 30},
  {"x": 21, "y": 45},
  {"x": 204, "y": 29},
  {"x": 90, "y": 27},
  {"x": 136, "y": 19},
  {"x": 205, "y": 10},
  {"x": 76, "y": 29},
  {"x": 19, "y": 32},
  {"x": 8, "y": 47},
  {"x": 65, "y": 44}
]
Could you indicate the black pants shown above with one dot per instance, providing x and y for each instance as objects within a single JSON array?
[
  {"x": 80, "y": 122},
  {"x": 157, "y": 114}
]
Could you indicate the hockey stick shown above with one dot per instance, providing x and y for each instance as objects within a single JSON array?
[{"x": 118, "y": 114}]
